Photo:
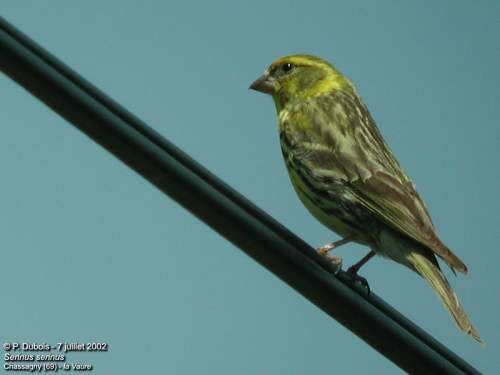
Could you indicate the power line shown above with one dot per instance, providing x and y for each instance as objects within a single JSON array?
[{"x": 222, "y": 208}]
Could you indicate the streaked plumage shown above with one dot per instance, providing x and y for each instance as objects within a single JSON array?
[{"x": 346, "y": 175}]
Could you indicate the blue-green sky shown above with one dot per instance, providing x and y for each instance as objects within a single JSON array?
[{"x": 92, "y": 252}]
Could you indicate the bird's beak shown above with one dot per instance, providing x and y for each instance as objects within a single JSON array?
[{"x": 263, "y": 84}]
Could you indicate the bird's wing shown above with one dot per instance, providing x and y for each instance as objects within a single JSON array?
[{"x": 343, "y": 142}]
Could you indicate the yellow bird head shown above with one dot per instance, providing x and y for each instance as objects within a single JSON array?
[{"x": 299, "y": 77}]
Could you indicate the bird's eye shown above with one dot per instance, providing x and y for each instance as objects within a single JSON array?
[{"x": 286, "y": 67}]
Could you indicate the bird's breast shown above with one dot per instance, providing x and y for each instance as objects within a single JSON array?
[{"x": 322, "y": 204}]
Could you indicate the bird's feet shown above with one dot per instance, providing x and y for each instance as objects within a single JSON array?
[
  {"x": 333, "y": 259},
  {"x": 352, "y": 273}
]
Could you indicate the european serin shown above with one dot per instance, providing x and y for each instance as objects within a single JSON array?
[{"x": 347, "y": 177}]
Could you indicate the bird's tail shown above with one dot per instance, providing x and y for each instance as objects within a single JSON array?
[{"x": 433, "y": 275}]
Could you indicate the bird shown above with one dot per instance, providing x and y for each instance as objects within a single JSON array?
[{"x": 345, "y": 174}]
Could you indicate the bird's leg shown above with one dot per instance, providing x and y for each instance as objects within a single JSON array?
[
  {"x": 353, "y": 270},
  {"x": 323, "y": 250}
]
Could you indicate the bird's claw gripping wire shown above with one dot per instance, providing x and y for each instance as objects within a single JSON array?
[
  {"x": 336, "y": 261},
  {"x": 354, "y": 278}
]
